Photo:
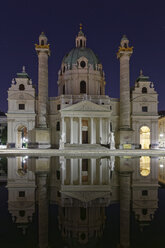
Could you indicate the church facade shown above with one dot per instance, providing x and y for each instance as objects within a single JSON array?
[{"x": 82, "y": 113}]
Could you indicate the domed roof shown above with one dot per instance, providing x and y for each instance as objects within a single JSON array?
[{"x": 77, "y": 52}]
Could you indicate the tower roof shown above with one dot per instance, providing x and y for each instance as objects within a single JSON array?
[
  {"x": 124, "y": 37},
  {"x": 142, "y": 78},
  {"x": 22, "y": 74}
]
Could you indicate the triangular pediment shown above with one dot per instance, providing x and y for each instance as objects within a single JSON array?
[{"x": 86, "y": 106}]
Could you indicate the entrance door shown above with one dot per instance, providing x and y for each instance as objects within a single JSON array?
[{"x": 85, "y": 137}]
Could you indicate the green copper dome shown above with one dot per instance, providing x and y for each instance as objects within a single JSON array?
[{"x": 72, "y": 57}]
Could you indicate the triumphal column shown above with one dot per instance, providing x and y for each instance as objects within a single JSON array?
[
  {"x": 125, "y": 131},
  {"x": 40, "y": 136}
]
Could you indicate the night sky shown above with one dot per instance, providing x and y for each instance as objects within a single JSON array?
[{"x": 104, "y": 23}]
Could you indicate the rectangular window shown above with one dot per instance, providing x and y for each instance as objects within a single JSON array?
[
  {"x": 144, "y": 109},
  {"x": 144, "y": 192},
  {"x": 58, "y": 106},
  {"x": 21, "y": 193},
  {"x": 21, "y": 106}
]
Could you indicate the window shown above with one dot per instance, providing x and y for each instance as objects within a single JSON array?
[
  {"x": 82, "y": 87},
  {"x": 58, "y": 126},
  {"x": 83, "y": 213},
  {"x": 21, "y": 87},
  {"x": 144, "y": 90},
  {"x": 21, "y": 106},
  {"x": 144, "y": 192},
  {"x": 80, "y": 43},
  {"x": 58, "y": 106},
  {"x": 144, "y": 109},
  {"x": 21, "y": 193},
  {"x": 21, "y": 213},
  {"x": 42, "y": 42},
  {"x": 83, "y": 64},
  {"x": 63, "y": 89},
  {"x": 144, "y": 211},
  {"x": 58, "y": 193}
]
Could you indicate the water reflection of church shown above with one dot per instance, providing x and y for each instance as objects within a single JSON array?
[{"x": 82, "y": 189}]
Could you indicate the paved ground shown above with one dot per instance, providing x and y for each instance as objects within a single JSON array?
[{"x": 81, "y": 152}]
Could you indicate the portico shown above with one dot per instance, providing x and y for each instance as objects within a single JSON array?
[{"x": 85, "y": 123}]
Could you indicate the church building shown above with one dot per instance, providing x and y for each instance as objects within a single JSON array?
[{"x": 82, "y": 113}]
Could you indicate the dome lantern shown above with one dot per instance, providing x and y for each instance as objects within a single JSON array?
[{"x": 81, "y": 39}]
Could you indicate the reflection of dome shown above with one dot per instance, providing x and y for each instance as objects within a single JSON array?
[{"x": 72, "y": 57}]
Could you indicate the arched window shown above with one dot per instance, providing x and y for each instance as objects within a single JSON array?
[
  {"x": 144, "y": 90},
  {"x": 83, "y": 87},
  {"x": 21, "y": 87},
  {"x": 125, "y": 45},
  {"x": 63, "y": 89},
  {"x": 42, "y": 42},
  {"x": 64, "y": 69},
  {"x": 80, "y": 43}
]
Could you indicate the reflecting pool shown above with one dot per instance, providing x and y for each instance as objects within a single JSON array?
[{"x": 88, "y": 202}]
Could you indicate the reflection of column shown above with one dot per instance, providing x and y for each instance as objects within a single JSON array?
[
  {"x": 80, "y": 171},
  {"x": 71, "y": 130},
  {"x": 62, "y": 168},
  {"x": 42, "y": 210},
  {"x": 93, "y": 162},
  {"x": 100, "y": 172},
  {"x": 71, "y": 171},
  {"x": 125, "y": 193},
  {"x": 100, "y": 128},
  {"x": 92, "y": 130},
  {"x": 80, "y": 130}
]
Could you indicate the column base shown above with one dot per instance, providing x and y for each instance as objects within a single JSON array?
[
  {"x": 11, "y": 145},
  {"x": 39, "y": 138},
  {"x": 125, "y": 138}
]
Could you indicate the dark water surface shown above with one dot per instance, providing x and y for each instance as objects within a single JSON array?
[{"x": 82, "y": 202}]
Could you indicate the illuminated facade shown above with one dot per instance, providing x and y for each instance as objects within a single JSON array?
[{"x": 82, "y": 113}]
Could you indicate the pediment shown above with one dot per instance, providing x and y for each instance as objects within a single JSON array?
[
  {"x": 141, "y": 98},
  {"x": 86, "y": 196},
  {"x": 86, "y": 106},
  {"x": 20, "y": 96}
]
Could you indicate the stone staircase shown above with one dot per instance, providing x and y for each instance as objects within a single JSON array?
[{"x": 85, "y": 147}]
